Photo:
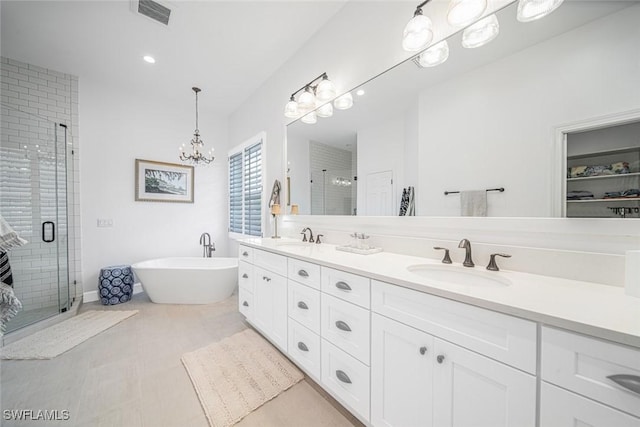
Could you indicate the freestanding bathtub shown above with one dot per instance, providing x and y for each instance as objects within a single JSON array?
[{"x": 188, "y": 280}]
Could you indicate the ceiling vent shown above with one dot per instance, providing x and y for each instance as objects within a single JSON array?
[{"x": 152, "y": 9}]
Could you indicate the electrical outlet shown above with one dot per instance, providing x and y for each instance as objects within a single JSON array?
[{"x": 105, "y": 222}]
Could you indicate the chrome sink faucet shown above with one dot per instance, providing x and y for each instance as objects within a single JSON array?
[
  {"x": 207, "y": 246},
  {"x": 466, "y": 244},
  {"x": 304, "y": 233}
]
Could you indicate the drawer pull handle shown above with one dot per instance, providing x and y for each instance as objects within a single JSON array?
[
  {"x": 246, "y": 304},
  {"x": 423, "y": 350},
  {"x": 302, "y": 305},
  {"x": 343, "y": 286},
  {"x": 302, "y": 346},
  {"x": 303, "y": 273},
  {"x": 440, "y": 358},
  {"x": 245, "y": 276},
  {"x": 343, "y": 326},
  {"x": 268, "y": 279},
  {"x": 630, "y": 382},
  {"x": 343, "y": 377},
  {"x": 245, "y": 253}
]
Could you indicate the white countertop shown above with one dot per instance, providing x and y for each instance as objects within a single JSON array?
[{"x": 598, "y": 310}]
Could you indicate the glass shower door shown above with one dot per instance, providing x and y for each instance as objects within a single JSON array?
[{"x": 33, "y": 200}]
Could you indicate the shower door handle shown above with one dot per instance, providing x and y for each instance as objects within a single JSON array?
[{"x": 51, "y": 226}]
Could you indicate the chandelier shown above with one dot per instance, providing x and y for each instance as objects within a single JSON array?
[{"x": 197, "y": 145}]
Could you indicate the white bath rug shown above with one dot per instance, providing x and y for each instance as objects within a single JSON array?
[
  {"x": 55, "y": 340},
  {"x": 237, "y": 375}
]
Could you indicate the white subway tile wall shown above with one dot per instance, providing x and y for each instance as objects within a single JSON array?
[
  {"x": 47, "y": 97},
  {"x": 327, "y": 197}
]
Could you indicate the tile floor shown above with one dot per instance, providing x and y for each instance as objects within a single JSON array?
[{"x": 131, "y": 375}]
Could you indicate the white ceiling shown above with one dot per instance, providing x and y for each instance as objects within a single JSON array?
[{"x": 227, "y": 48}]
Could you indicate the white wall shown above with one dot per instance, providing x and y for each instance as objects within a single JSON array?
[
  {"x": 493, "y": 127},
  {"x": 117, "y": 127}
]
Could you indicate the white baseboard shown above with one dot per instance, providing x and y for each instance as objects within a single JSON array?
[{"x": 91, "y": 296}]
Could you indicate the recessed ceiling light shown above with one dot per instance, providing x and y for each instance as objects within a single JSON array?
[
  {"x": 149, "y": 59},
  {"x": 360, "y": 92}
]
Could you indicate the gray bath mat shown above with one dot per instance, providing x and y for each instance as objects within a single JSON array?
[
  {"x": 237, "y": 375},
  {"x": 55, "y": 340}
]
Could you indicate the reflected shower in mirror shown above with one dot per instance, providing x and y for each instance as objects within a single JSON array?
[{"x": 485, "y": 118}]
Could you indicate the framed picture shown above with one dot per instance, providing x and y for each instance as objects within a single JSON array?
[{"x": 163, "y": 182}]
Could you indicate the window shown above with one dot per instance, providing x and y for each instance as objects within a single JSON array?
[{"x": 246, "y": 188}]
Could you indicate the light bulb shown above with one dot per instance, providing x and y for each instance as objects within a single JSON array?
[
  {"x": 463, "y": 12},
  {"x": 326, "y": 90},
  {"x": 530, "y": 10},
  {"x": 306, "y": 101},
  {"x": 309, "y": 118},
  {"x": 435, "y": 55},
  {"x": 417, "y": 34},
  {"x": 291, "y": 109},
  {"x": 481, "y": 33},
  {"x": 343, "y": 102}
]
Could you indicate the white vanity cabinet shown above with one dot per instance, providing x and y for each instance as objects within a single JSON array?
[{"x": 579, "y": 376}]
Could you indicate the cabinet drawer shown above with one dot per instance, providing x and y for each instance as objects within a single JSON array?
[
  {"x": 347, "y": 326},
  {"x": 245, "y": 253},
  {"x": 560, "y": 408},
  {"x": 304, "y": 272},
  {"x": 271, "y": 262},
  {"x": 583, "y": 364},
  {"x": 304, "y": 306},
  {"x": 245, "y": 303},
  {"x": 245, "y": 276},
  {"x": 304, "y": 348},
  {"x": 496, "y": 335},
  {"x": 346, "y": 378},
  {"x": 347, "y": 286}
]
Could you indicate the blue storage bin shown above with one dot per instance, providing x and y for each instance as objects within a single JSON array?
[{"x": 115, "y": 284}]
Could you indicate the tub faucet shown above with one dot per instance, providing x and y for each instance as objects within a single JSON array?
[
  {"x": 207, "y": 246},
  {"x": 466, "y": 244},
  {"x": 304, "y": 233}
]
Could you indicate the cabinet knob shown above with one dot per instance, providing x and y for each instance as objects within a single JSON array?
[
  {"x": 630, "y": 382},
  {"x": 440, "y": 358},
  {"x": 245, "y": 276},
  {"x": 343, "y": 286},
  {"x": 303, "y": 273},
  {"x": 246, "y": 304},
  {"x": 302, "y": 305},
  {"x": 302, "y": 346},
  {"x": 342, "y": 376},
  {"x": 268, "y": 279},
  {"x": 343, "y": 326},
  {"x": 245, "y": 253},
  {"x": 423, "y": 350}
]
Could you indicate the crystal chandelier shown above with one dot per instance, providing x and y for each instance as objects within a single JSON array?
[{"x": 196, "y": 157}]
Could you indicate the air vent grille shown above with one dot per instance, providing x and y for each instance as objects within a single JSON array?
[{"x": 154, "y": 10}]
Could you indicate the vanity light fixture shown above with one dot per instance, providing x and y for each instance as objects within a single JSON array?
[
  {"x": 418, "y": 32},
  {"x": 343, "y": 102},
  {"x": 463, "y": 12},
  {"x": 530, "y": 10},
  {"x": 318, "y": 90},
  {"x": 435, "y": 55},
  {"x": 310, "y": 118},
  {"x": 196, "y": 156},
  {"x": 481, "y": 33},
  {"x": 325, "y": 110}
]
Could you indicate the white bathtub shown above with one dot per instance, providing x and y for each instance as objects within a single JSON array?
[{"x": 188, "y": 280}]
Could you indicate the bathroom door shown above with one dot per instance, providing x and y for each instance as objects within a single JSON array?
[{"x": 379, "y": 194}]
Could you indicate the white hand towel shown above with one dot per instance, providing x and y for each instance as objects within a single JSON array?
[{"x": 473, "y": 203}]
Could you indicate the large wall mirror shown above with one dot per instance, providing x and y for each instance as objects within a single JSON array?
[{"x": 486, "y": 118}]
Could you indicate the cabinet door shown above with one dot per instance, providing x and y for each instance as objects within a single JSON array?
[
  {"x": 562, "y": 408},
  {"x": 401, "y": 374},
  {"x": 270, "y": 305},
  {"x": 473, "y": 390}
]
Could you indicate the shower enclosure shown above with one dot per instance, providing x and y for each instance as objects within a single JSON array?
[
  {"x": 34, "y": 200},
  {"x": 333, "y": 192}
]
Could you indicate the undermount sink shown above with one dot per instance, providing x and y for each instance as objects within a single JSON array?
[{"x": 459, "y": 275}]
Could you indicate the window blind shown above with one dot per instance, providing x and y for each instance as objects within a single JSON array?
[{"x": 245, "y": 191}]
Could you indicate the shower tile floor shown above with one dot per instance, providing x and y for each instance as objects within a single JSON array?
[
  {"x": 28, "y": 317},
  {"x": 131, "y": 375}
]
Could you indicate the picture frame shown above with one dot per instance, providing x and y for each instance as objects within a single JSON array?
[{"x": 163, "y": 182}]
